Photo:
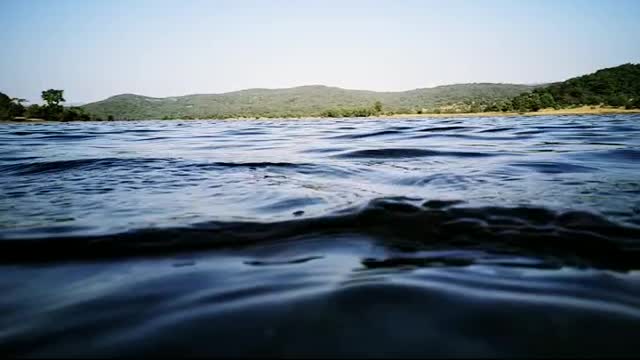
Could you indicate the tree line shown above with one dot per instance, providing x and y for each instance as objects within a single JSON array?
[
  {"x": 375, "y": 109},
  {"x": 52, "y": 110}
]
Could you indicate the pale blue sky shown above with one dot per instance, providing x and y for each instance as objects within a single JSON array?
[{"x": 94, "y": 49}]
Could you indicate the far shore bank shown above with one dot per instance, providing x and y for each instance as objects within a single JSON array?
[{"x": 584, "y": 110}]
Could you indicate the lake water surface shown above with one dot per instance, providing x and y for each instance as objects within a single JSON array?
[{"x": 511, "y": 236}]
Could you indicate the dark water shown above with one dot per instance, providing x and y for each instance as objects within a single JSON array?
[{"x": 416, "y": 237}]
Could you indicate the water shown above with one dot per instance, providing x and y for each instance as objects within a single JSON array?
[{"x": 349, "y": 237}]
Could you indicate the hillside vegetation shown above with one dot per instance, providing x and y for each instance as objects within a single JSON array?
[
  {"x": 304, "y": 101},
  {"x": 615, "y": 87}
]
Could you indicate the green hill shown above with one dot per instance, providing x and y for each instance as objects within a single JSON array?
[
  {"x": 613, "y": 86},
  {"x": 616, "y": 87},
  {"x": 312, "y": 100}
]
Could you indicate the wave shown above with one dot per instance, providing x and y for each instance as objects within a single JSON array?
[
  {"x": 619, "y": 154},
  {"x": 34, "y": 168},
  {"x": 64, "y": 165},
  {"x": 498, "y": 129},
  {"x": 569, "y": 238},
  {"x": 66, "y": 137},
  {"x": 367, "y": 135},
  {"x": 470, "y": 137},
  {"x": 554, "y": 167},
  {"x": 398, "y": 153},
  {"x": 444, "y": 128}
]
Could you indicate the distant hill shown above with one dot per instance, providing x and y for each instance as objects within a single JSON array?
[
  {"x": 311, "y": 100},
  {"x": 616, "y": 87}
]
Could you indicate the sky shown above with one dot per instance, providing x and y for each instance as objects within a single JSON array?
[{"x": 96, "y": 49}]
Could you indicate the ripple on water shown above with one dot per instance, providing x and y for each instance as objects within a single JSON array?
[
  {"x": 553, "y": 167},
  {"x": 314, "y": 238}
]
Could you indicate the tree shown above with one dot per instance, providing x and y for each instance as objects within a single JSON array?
[
  {"x": 53, "y": 97},
  {"x": 18, "y": 101},
  {"x": 520, "y": 103},
  {"x": 16, "y": 107},
  {"x": 490, "y": 108},
  {"x": 11, "y": 108},
  {"x": 616, "y": 100},
  {"x": 377, "y": 107},
  {"x": 547, "y": 101},
  {"x": 53, "y": 110},
  {"x": 527, "y": 102},
  {"x": 593, "y": 100},
  {"x": 633, "y": 104},
  {"x": 534, "y": 102},
  {"x": 74, "y": 114},
  {"x": 35, "y": 112},
  {"x": 5, "y": 107},
  {"x": 475, "y": 108}
]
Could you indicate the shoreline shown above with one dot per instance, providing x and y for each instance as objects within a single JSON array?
[{"x": 585, "y": 110}]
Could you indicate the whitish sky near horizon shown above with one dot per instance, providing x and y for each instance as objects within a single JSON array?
[{"x": 96, "y": 49}]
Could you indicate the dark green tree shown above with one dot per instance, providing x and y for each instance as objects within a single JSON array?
[
  {"x": 5, "y": 107},
  {"x": 377, "y": 107},
  {"x": 53, "y": 109},
  {"x": 593, "y": 100},
  {"x": 547, "y": 101},
  {"x": 17, "y": 107},
  {"x": 53, "y": 98},
  {"x": 35, "y": 112},
  {"x": 616, "y": 100},
  {"x": 10, "y": 108}
]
